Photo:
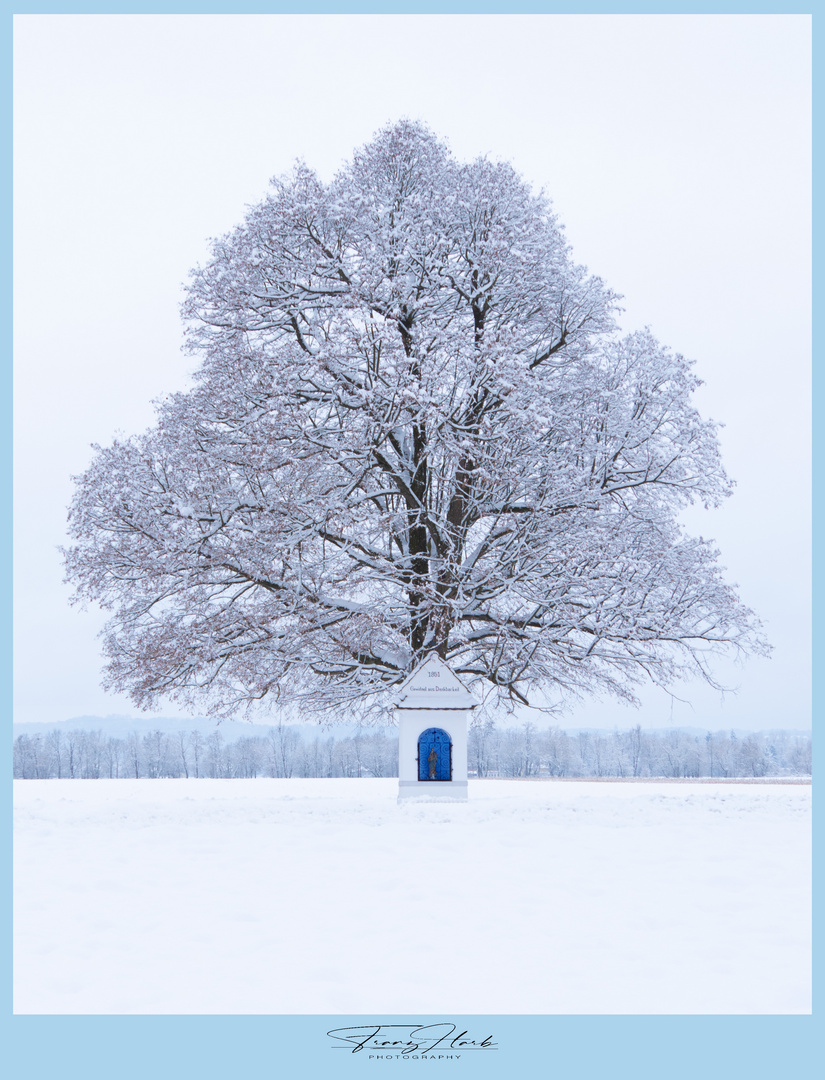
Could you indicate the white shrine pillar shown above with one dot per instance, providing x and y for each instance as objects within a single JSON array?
[{"x": 432, "y": 707}]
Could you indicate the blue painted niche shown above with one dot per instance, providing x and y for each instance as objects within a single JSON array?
[{"x": 435, "y": 740}]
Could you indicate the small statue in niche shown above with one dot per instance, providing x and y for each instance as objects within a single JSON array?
[{"x": 432, "y": 759}]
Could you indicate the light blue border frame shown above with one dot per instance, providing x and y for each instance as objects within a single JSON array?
[{"x": 209, "y": 1047}]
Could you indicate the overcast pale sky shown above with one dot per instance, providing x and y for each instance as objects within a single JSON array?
[{"x": 676, "y": 150}]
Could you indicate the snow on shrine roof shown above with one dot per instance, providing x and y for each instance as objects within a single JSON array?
[{"x": 433, "y": 686}]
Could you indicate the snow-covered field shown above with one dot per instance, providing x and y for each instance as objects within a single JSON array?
[{"x": 324, "y": 896}]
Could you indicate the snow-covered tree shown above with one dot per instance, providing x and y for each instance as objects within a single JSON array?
[{"x": 415, "y": 429}]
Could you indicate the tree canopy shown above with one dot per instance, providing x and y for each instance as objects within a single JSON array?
[{"x": 415, "y": 427}]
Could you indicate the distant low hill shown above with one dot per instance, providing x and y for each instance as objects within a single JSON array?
[{"x": 118, "y": 727}]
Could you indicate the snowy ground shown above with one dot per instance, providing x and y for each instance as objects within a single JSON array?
[{"x": 324, "y": 896}]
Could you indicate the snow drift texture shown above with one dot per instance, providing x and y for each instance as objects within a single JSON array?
[{"x": 323, "y": 896}]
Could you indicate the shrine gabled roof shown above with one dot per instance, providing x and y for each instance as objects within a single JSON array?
[{"x": 434, "y": 686}]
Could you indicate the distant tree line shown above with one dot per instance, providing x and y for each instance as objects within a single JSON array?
[
  {"x": 530, "y": 751},
  {"x": 277, "y": 752},
  {"x": 493, "y": 752}
]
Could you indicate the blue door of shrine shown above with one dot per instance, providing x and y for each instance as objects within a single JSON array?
[{"x": 435, "y": 750}]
